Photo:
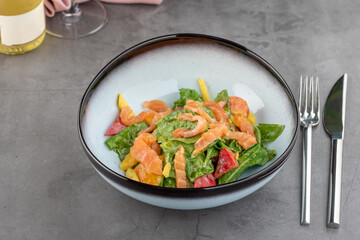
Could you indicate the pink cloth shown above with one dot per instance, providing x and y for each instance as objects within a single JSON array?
[{"x": 52, "y": 6}]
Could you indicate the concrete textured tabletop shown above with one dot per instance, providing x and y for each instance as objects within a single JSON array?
[{"x": 49, "y": 190}]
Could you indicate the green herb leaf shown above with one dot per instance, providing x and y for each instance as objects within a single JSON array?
[
  {"x": 230, "y": 144},
  {"x": 257, "y": 133},
  {"x": 168, "y": 124},
  {"x": 197, "y": 166},
  {"x": 121, "y": 142},
  {"x": 270, "y": 132},
  {"x": 185, "y": 94},
  {"x": 224, "y": 96},
  {"x": 169, "y": 182},
  {"x": 256, "y": 155}
]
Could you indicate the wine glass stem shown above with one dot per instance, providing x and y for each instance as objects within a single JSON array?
[{"x": 74, "y": 10}]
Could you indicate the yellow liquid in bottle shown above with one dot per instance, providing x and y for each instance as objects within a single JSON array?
[
  {"x": 22, "y": 48},
  {"x": 22, "y": 25}
]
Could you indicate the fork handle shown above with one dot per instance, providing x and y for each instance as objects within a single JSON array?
[
  {"x": 333, "y": 220},
  {"x": 306, "y": 176}
]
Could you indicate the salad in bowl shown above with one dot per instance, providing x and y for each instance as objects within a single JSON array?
[{"x": 196, "y": 142}]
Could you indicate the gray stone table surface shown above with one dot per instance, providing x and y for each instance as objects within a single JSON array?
[{"x": 49, "y": 190}]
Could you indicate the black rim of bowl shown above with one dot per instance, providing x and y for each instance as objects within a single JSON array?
[{"x": 188, "y": 192}]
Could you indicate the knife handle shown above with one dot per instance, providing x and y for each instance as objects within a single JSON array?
[{"x": 333, "y": 220}]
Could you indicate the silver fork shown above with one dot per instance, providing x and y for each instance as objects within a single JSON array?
[{"x": 309, "y": 109}]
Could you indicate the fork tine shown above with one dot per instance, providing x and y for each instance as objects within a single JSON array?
[
  {"x": 311, "y": 96},
  {"x": 306, "y": 96},
  {"x": 317, "y": 97},
  {"x": 300, "y": 94}
]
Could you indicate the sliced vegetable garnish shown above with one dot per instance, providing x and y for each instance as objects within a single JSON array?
[
  {"x": 204, "y": 89},
  {"x": 116, "y": 127},
  {"x": 122, "y": 103}
]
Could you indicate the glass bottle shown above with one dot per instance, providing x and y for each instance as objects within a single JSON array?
[{"x": 22, "y": 25}]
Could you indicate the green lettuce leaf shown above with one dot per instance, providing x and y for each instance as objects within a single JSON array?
[
  {"x": 168, "y": 124},
  {"x": 271, "y": 153},
  {"x": 170, "y": 117},
  {"x": 270, "y": 132},
  {"x": 230, "y": 144},
  {"x": 170, "y": 148},
  {"x": 257, "y": 133},
  {"x": 185, "y": 94},
  {"x": 165, "y": 132},
  {"x": 224, "y": 96},
  {"x": 121, "y": 142},
  {"x": 196, "y": 166},
  {"x": 169, "y": 182},
  {"x": 255, "y": 155},
  {"x": 208, "y": 111}
]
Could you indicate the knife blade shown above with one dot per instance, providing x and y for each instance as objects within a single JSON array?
[{"x": 334, "y": 124}]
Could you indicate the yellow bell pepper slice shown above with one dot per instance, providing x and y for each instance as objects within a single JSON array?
[
  {"x": 236, "y": 155},
  {"x": 204, "y": 89},
  {"x": 130, "y": 173},
  {"x": 128, "y": 162},
  {"x": 122, "y": 103},
  {"x": 252, "y": 118},
  {"x": 166, "y": 170}
]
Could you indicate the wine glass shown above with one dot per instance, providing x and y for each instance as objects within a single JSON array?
[{"x": 78, "y": 21}]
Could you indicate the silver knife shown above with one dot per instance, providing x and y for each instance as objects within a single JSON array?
[{"x": 334, "y": 123}]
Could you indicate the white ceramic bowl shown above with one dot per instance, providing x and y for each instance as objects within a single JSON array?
[{"x": 156, "y": 69}]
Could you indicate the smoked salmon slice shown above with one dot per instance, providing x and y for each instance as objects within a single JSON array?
[
  {"x": 195, "y": 107},
  {"x": 216, "y": 131},
  {"x": 244, "y": 139},
  {"x": 219, "y": 112},
  {"x": 186, "y": 133},
  {"x": 244, "y": 124},
  {"x": 143, "y": 151},
  {"x": 179, "y": 164},
  {"x": 156, "y": 105},
  {"x": 128, "y": 119}
]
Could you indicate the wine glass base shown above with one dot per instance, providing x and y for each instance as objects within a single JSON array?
[{"x": 89, "y": 18}]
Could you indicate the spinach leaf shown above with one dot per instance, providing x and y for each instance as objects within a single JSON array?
[
  {"x": 196, "y": 166},
  {"x": 271, "y": 153},
  {"x": 121, "y": 142},
  {"x": 235, "y": 146},
  {"x": 208, "y": 111},
  {"x": 270, "y": 132},
  {"x": 185, "y": 94},
  {"x": 170, "y": 117},
  {"x": 168, "y": 124},
  {"x": 257, "y": 134},
  {"x": 170, "y": 148},
  {"x": 211, "y": 153},
  {"x": 219, "y": 144},
  {"x": 224, "y": 96},
  {"x": 169, "y": 182},
  {"x": 230, "y": 144},
  {"x": 165, "y": 131},
  {"x": 255, "y": 155}
]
